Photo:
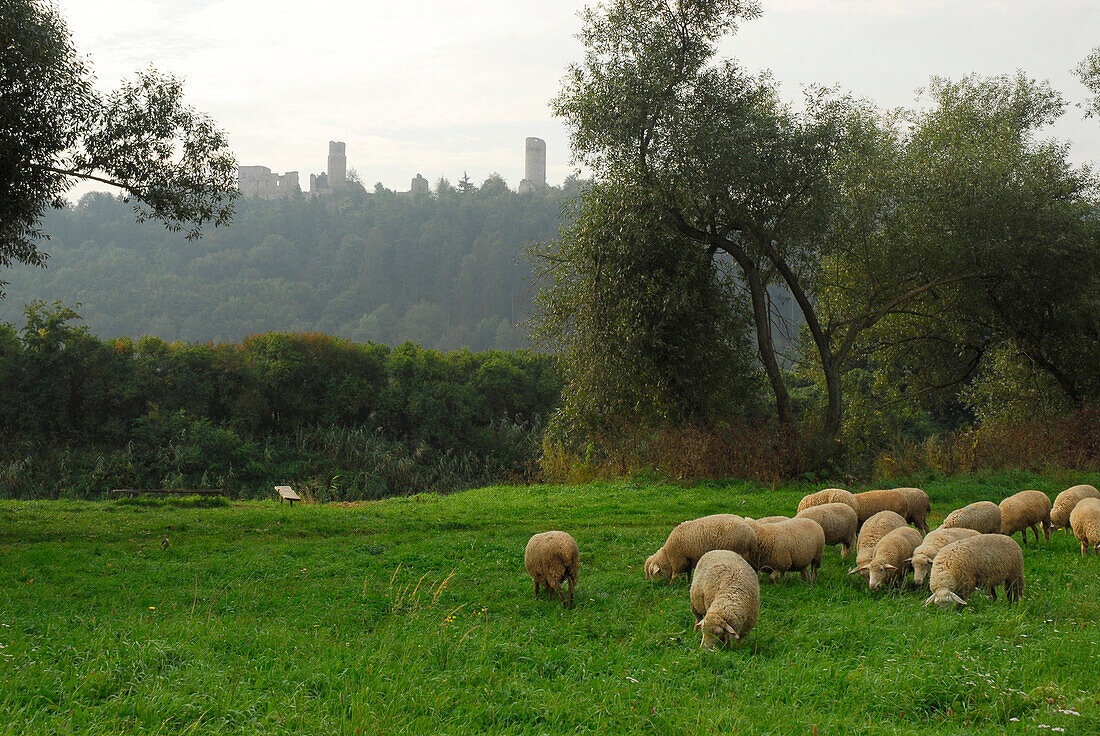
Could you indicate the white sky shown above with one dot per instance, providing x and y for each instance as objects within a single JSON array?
[{"x": 438, "y": 87}]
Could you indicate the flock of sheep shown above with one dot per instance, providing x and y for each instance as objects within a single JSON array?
[{"x": 972, "y": 549}]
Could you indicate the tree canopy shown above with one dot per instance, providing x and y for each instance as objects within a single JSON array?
[
  {"x": 957, "y": 221},
  {"x": 57, "y": 128}
]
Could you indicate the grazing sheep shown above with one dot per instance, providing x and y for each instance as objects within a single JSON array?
[
  {"x": 931, "y": 546},
  {"x": 725, "y": 597},
  {"x": 983, "y": 517},
  {"x": 871, "y": 533},
  {"x": 919, "y": 506},
  {"x": 891, "y": 559},
  {"x": 1067, "y": 499},
  {"x": 839, "y": 522},
  {"x": 983, "y": 562},
  {"x": 872, "y": 502},
  {"x": 796, "y": 544},
  {"x": 552, "y": 559},
  {"x": 829, "y": 495},
  {"x": 770, "y": 519},
  {"x": 1026, "y": 509},
  {"x": 1085, "y": 521},
  {"x": 692, "y": 539}
]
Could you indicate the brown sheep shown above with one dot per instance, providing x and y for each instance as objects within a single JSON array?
[
  {"x": 796, "y": 544},
  {"x": 1085, "y": 521},
  {"x": 982, "y": 562},
  {"x": 552, "y": 559},
  {"x": 870, "y": 534},
  {"x": 829, "y": 495},
  {"x": 839, "y": 522},
  {"x": 1026, "y": 509},
  {"x": 919, "y": 506},
  {"x": 691, "y": 540},
  {"x": 1067, "y": 499},
  {"x": 725, "y": 597},
  {"x": 872, "y": 502},
  {"x": 983, "y": 517}
]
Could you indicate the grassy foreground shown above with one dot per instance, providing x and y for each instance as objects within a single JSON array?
[{"x": 415, "y": 616}]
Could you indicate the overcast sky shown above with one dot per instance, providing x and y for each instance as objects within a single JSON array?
[{"x": 441, "y": 87}]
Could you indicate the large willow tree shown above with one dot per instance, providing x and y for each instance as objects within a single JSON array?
[{"x": 864, "y": 218}]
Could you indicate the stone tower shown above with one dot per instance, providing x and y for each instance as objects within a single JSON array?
[
  {"x": 337, "y": 164},
  {"x": 534, "y": 168}
]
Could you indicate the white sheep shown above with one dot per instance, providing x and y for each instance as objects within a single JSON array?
[
  {"x": 1085, "y": 521},
  {"x": 1067, "y": 499},
  {"x": 829, "y": 495},
  {"x": 871, "y": 533},
  {"x": 981, "y": 562},
  {"x": 919, "y": 506},
  {"x": 983, "y": 517},
  {"x": 1026, "y": 509},
  {"x": 839, "y": 522},
  {"x": 872, "y": 502},
  {"x": 933, "y": 542},
  {"x": 770, "y": 519},
  {"x": 552, "y": 559},
  {"x": 725, "y": 597},
  {"x": 892, "y": 556},
  {"x": 796, "y": 544},
  {"x": 691, "y": 540}
]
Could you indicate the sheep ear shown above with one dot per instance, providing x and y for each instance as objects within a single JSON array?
[
  {"x": 888, "y": 566},
  {"x": 853, "y": 571},
  {"x": 957, "y": 599},
  {"x": 731, "y": 632},
  {"x": 698, "y": 624},
  {"x": 909, "y": 561},
  {"x": 931, "y": 598}
]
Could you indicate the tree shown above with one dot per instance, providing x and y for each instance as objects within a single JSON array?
[
  {"x": 1089, "y": 73},
  {"x": 651, "y": 332},
  {"x": 808, "y": 199},
  {"x": 55, "y": 129}
]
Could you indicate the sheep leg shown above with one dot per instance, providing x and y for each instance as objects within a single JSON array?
[
  {"x": 1084, "y": 550},
  {"x": 1046, "y": 531},
  {"x": 804, "y": 573},
  {"x": 561, "y": 595},
  {"x": 1023, "y": 533},
  {"x": 992, "y": 592},
  {"x": 1035, "y": 532},
  {"x": 774, "y": 577},
  {"x": 536, "y": 590}
]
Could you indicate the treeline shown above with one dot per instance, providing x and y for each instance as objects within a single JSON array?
[
  {"x": 338, "y": 419},
  {"x": 445, "y": 270}
]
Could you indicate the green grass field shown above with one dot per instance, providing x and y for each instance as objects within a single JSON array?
[{"x": 415, "y": 616}]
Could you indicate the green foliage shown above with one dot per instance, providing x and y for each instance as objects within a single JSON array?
[
  {"x": 650, "y": 329},
  {"x": 1089, "y": 73},
  {"x": 416, "y": 616},
  {"x": 56, "y": 128},
  {"x": 81, "y": 416},
  {"x": 443, "y": 271}
]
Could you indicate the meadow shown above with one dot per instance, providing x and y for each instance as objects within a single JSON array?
[{"x": 415, "y": 616}]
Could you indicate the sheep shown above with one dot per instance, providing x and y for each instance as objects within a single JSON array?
[
  {"x": 1026, "y": 509},
  {"x": 552, "y": 559},
  {"x": 1067, "y": 499},
  {"x": 919, "y": 506},
  {"x": 690, "y": 540},
  {"x": 1085, "y": 521},
  {"x": 931, "y": 546},
  {"x": 984, "y": 562},
  {"x": 872, "y": 502},
  {"x": 983, "y": 517},
  {"x": 796, "y": 544},
  {"x": 770, "y": 519},
  {"x": 725, "y": 597},
  {"x": 877, "y": 527},
  {"x": 892, "y": 557},
  {"x": 829, "y": 495},
  {"x": 839, "y": 522}
]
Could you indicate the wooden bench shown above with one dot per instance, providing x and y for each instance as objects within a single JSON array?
[
  {"x": 131, "y": 492},
  {"x": 286, "y": 493}
]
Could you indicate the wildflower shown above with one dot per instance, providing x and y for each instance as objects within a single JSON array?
[{"x": 152, "y": 608}]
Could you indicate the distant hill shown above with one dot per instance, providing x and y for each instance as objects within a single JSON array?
[{"x": 445, "y": 271}]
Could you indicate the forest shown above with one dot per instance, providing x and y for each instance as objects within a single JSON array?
[{"x": 445, "y": 271}]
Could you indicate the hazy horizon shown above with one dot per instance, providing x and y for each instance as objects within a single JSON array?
[{"x": 440, "y": 89}]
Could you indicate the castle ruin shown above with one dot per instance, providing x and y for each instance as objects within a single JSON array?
[{"x": 261, "y": 182}]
